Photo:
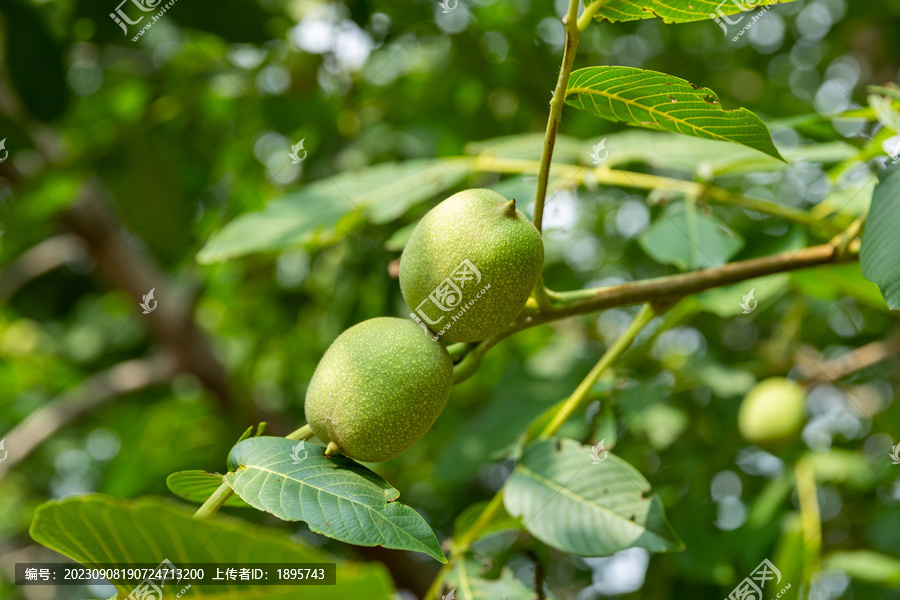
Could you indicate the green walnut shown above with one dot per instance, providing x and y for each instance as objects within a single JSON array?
[
  {"x": 772, "y": 411},
  {"x": 470, "y": 265},
  {"x": 378, "y": 388}
]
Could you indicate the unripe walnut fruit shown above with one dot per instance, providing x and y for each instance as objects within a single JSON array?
[
  {"x": 378, "y": 388},
  {"x": 772, "y": 411},
  {"x": 470, "y": 265}
]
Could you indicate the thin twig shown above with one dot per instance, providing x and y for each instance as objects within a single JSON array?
[
  {"x": 570, "y": 22},
  {"x": 578, "y": 398},
  {"x": 556, "y": 105},
  {"x": 603, "y": 175},
  {"x": 304, "y": 433},
  {"x": 849, "y": 363},
  {"x": 215, "y": 502},
  {"x": 41, "y": 258},
  {"x": 588, "y": 15},
  {"x": 224, "y": 491},
  {"x": 563, "y": 411}
]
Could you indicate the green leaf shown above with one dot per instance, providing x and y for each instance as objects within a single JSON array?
[
  {"x": 335, "y": 496},
  {"x": 711, "y": 158},
  {"x": 665, "y": 103},
  {"x": 838, "y": 466},
  {"x": 586, "y": 509},
  {"x": 197, "y": 486},
  {"x": 880, "y": 243},
  {"x": 378, "y": 194},
  {"x": 464, "y": 581},
  {"x": 724, "y": 381},
  {"x": 100, "y": 529},
  {"x": 846, "y": 201},
  {"x": 527, "y": 146},
  {"x": 688, "y": 240},
  {"x": 885, "y": 110},
  {"x": 660, "y": 423},
  {"x": 868, "y": 566},
  {"x": 841, "y": 281},
  {"x": 672, "y": 11},
  {"x": 246, "y": 434}
]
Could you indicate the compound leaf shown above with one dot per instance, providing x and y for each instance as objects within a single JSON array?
[
  {"x": 880, "y": 243},
  {"x": 99, "y": 529},
  {"x": 676, "y": 11},
  {"x": 689, "y": 240},
  {"x": 584, "y": 507},
  {"x": 665, "y": 103},
  {"x": 868, "y": 566},
  {"x": 335, "y": 496},
  {"x": 197, "y": 486},
  {"x": 378, "y": 194},
  {"x": 463, "y": 579}
]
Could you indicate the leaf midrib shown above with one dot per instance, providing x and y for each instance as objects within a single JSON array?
[
  {"x": 651, "y": 110},
  {"x": 287, "y": 476},
  {"x": 553, "y": 485},
  {"x": 654, "y": 11},
  {"x": 353, "y": 502}
]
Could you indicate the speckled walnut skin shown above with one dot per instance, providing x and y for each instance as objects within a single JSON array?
[
  {"x": 378, "y": 388},
  {"x": 485, "y": 228}
]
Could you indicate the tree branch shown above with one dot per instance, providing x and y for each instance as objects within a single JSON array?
[
  {"x": 675, "y": 286},
  {"x": 128, "y": 270},
  {"x": 39, "y": 259},
  {"x": 863, "y": 357},
  {"x": 671, "y": 287},
  {"x": 44, "y": 422}
]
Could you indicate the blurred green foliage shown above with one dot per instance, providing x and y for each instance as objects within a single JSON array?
[{"x": 191, "y": 126}]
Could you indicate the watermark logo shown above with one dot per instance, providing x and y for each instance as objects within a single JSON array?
[
  {"x": 295, "y": 152},
  {"x": 122, "y": 20},
  {"x": 599, "y": 453},
  {"x": 895, "y": 454},
  {"x": 894, "y": 154},
  {"x": 447, "y": 6},
  {"x": 149, "y": 590},
  {"x": 448, "y": 296},
  {"x": 295, "y": 453},
  {"x": 148, "y": 298},
  {"x": 751, "y": 588},
  {"x": 723, "y": 20},
  {"x": 4, "y": 453},
  {"x": 3, "y": 147},
  {"x": 596, "y": 157},
  {"x": 450, "y": 596},
  {"x": 749, "y": 304}
]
